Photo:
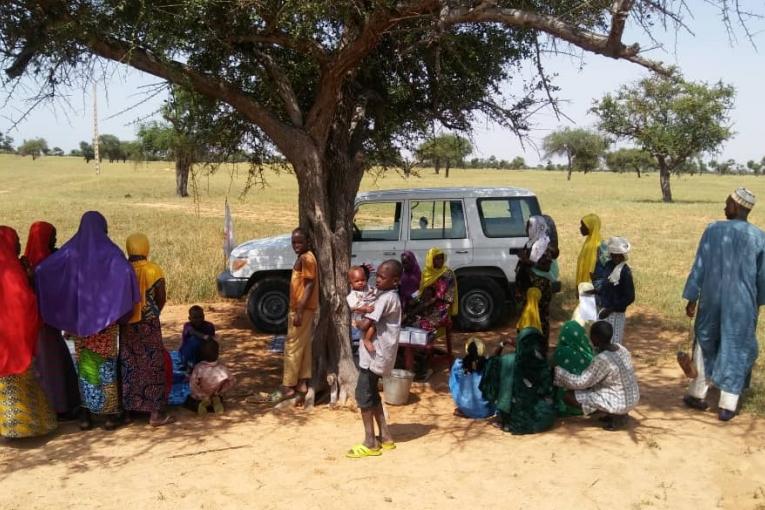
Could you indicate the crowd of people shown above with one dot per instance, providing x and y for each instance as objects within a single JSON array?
[{"x": 110, "y": 306}]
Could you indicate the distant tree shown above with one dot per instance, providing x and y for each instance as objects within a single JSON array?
[
  {"x": 518, "y": 163},
  {"x": 447, "y": 148},
  {"x": 672, "y": 119},
  {"x": 35, "y": 147},
  {"x": 57, "y": 151},
  {"x": 549, "y": 165},
  {"x": 6, "y": 144},
  {"x": 754, "y": 166},
  {"x": 75, "y": 153},
  {"x": 132, "y": 150},
  {"x": 582, "y": 148},
  {"x": 109, "y": 146},
  {"x": 636, "y": 160},
  {"x": 87, "y": 151}
]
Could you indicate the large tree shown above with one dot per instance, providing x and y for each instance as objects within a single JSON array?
[
  {"x": 672, "y": 119},
  {"x": 582, "y": 148},
  {"x": 335, "y": 86}
]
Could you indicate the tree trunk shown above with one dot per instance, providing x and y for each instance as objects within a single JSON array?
[
  {"x": 446, "y": 169},
  {"x": 570, "y": 167},
  {"x": 327, "y": 190},
  {"x": 637, "y": 169},
  {"x": 183, "y": 164},
  {"x": 438, "y": 165},
  {"x": 664, "y": 175}
]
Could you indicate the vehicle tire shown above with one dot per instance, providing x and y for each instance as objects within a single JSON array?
[
  {"x": 482, "y": 302},
  {"x": 268, "y": 304}
]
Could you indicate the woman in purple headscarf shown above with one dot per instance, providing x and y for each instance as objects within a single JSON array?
[
  {"x": 410, "y": 278},
  {"x": 84, "y": 289}
]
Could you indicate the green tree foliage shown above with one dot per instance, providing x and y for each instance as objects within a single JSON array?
[
  {"x": 582, "y": 148},
  {"x": 518, "y": 163},
  {"x": 6, "y": 144},
  {"x": 35, "y": 147},
  {"x": 57, "y": 151},
  {"x": 630, "y": 160},
  {"x": 334, "y": 86},
  {"x": 87, "y": 151},
  {"x": 449, "y": 149},
  {"x": 672, "y": 119},
  {"x": 110, "y": 147}
]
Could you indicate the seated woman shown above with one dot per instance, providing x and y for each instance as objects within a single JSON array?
[
  {"x": 464, "y": 380},
  {"x": 436, "y": 302},
  {"x": 608, "y": 385},
  {"x": 574, "y": 354},
  {"x": 520, "y": 386}
]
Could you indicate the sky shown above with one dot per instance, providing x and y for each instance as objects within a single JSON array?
[{"x": 706, "y": 55}]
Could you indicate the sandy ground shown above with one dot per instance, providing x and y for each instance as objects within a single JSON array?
[{"x": 255, "y": 457}]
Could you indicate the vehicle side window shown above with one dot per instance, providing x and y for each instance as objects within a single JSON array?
[
  {"x": 506, "y": 217},
  {"x": 436, "y": 219},
  {"x": 377, "y": 221}
]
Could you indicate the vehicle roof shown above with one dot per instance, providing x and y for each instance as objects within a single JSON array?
[{"x": 461, "y": 192}]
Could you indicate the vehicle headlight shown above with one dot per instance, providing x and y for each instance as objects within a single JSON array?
[{"x": 238, "y": 263}]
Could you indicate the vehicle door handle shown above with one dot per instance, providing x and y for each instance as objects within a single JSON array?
[
  {"x": 515, "y": 251},
  {"x": 462, "y": 252},
  {"x": 389, "y": 253},
  {"x": 353, "y": 255}
]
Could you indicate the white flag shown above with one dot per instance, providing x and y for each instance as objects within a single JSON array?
[{"x": 228, "y": 233}]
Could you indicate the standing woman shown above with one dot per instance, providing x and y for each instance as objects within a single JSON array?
[
  {"x": 53, "y": 362},
  {"x": 410, "y": 278},
  {"x": 24, "y": 409},
  {"x": 594, "y": 254},
  {"x": 142, "y": 355},
  {"x": 85, "y": 289},
  {"x": 536, "y": 269}
]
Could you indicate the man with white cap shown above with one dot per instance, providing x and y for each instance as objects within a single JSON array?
[
  {"x": 727, "y": 282},
  {"x": 618, "y": 290}
]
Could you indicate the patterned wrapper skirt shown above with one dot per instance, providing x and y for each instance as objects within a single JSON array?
[
  {"x": 97, "y": 368},
  {"x": 24, "y": 408},
  {"x": 143, "y": 365}
]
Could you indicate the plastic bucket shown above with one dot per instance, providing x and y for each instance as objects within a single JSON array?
[{"x": 396, "y": 387}]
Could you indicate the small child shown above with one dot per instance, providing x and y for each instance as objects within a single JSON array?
[
  {"x": 210, "y": 379},
  {"x": 608, "y": 384},
  {"x": 618, "y": 290},
  {"x": 376, "y": 359},
  {"x": 465, "y": 379},
  {"x": 195, "y": 333},
  {"x": 360, "y": 299}
]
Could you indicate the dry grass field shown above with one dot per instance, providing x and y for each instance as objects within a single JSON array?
[{"x": 186, "y": 234}]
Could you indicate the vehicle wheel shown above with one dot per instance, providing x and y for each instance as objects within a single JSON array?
[
  {"x": 482, "y": 301},
  {"x": 268, "y": 304}
]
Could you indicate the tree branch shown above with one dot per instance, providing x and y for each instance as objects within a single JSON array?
[
  {"x": 609, "y": 46},
  {"x": 283, "y": 40},
  {"x": 283, "y": 87},
  {"x": 283, "y": 136}
]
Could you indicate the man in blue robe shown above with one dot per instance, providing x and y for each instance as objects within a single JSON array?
[{"x": 728, "y": 283}]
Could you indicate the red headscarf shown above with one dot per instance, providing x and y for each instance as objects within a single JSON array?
[
  {"x": 38, "y": 242},
  {"x": 18, "y": 309}
]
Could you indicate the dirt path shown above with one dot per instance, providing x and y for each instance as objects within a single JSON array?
[{"x": 256, "y": 458}]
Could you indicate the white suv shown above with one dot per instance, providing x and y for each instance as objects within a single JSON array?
[{"x": 481, "y": 230}]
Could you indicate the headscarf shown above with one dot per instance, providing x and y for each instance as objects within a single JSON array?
[
  {"x": 38, "y": 242},
  {"x": 430, "y": 275},
  {"x": 147, "y": 273},
  {"x": 410, "y": 278},
  {"x": 574, "y": 354},
  {"x": 88, "y": 284},
  {"x": 18, "y": 309},
  {"x": 588, "y": 256},
  {"x": 530, "y": 315},
  {"x": 618, "y": 246},
  {"x": 539, "y": 239}
]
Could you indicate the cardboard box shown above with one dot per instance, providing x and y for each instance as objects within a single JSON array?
[
  {"x": 418, "y": 336},
  {"x": 404, "y": 336}
]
